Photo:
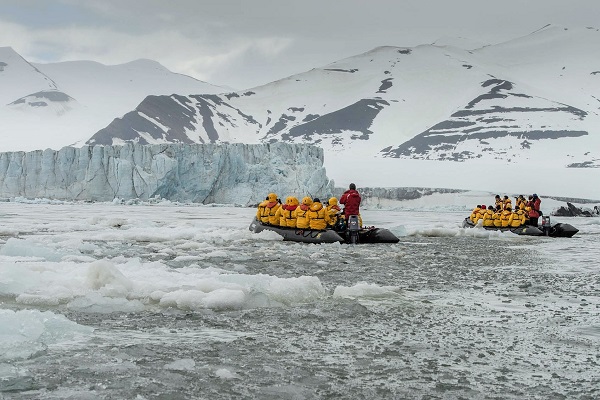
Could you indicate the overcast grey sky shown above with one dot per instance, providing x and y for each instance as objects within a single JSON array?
[{"x": 244, "y": 43}]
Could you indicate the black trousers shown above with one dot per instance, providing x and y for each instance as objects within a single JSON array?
[{"x": 533, "y": 221}]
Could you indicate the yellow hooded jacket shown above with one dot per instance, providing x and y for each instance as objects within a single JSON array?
[
  {"x": 475, "y": 215},
  {"x": 271, "y": 209},
  {"x": 488, "y": 218},
  {"x": 520, "y": 203},
  {"x": 517, "y": 218},
  {"x": 316, "y": 216},
  {"x": 301, "y": 213},
  {"x": 499, "y": 204},
  {"x": 332, "y": 211},
  {"x": 505, "y": 217},
  {"x": 279, "y": 215},
  {"x": 261, "y": 211},
  {"x": 286, "y": 212},
  {"x": 497, "y": 219}
]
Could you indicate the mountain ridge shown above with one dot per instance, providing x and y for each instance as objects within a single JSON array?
[
  {"x": 531, "y": 102},
  {"x": 460, "y": 78}
]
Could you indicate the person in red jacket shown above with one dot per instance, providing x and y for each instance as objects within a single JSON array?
[
  {"x": 534, "y": 202},
  {"x": 351, "y": 201}
]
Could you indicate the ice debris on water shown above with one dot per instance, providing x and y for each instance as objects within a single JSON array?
[
  {"x": 185, "y": 364},
  {"x": 225, "y": 374}
]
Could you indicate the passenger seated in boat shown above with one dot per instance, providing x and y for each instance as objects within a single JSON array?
[
  {"x": 506, "y": 203},
  {"x": 261, "y": 214},
  {"x": 498, "y": 217},
  {"x": 279, "y": 215},
  {"x": 301, "y": 213},
  {"x": 317, "y": 215},
  {"x": 517, "y": 218},
  {"x": 481, "y": 213},
  {"x": 475, "y": 214},
  {"x": 488, "y": 217},
  {"x": 332, "y": 210},
  {"x": 527, "y": 211},
  {"x": 286, "y": 212},
  {"x": 271, "y": 209},
  {"x": 498, "y": 202},
  {"x": 505, "y": 216},
  {"x": 291, "y": 205},
  {"x": 520, "y": 202}
]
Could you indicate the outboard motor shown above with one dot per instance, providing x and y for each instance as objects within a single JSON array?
[
  {"x": 546, "y": 225},
  {"x": 353, "y": 228}
]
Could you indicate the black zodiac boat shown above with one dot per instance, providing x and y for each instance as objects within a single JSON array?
[
  {"x": 545, "y": 229},
  {"x": 365, "y": 235}
]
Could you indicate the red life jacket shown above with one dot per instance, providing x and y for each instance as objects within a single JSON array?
[
  {"x": 272, "y": 208},
  {"x": 288, "y": 213}
]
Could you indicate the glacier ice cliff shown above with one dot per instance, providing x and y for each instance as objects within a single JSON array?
[{"x": 201, "y": 173}]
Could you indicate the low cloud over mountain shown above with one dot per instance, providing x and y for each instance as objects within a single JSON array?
[{"x": 55, "y": 105}]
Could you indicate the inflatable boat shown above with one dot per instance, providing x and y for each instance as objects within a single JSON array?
[
  {"x": 365, "y": 235},
  {"x": 545, "y": 229}
]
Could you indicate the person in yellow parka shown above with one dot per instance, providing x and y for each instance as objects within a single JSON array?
[
  {"x": 301, "y": 213},
  {"x": 520, "y": 202},
  {"x": 527, "y": 211},
  {"x": 497, "y": 217},
  {"x": 506, "y": 203},
  {"x": 286, "y": 212},
  {"x": 475, "y": 214},
  {"x": 279, "y": 214},
  {"x": 332, "y": 210},
  {"x": 505, "y": 216},
  {"x": 481, "y": 214},
  {"x": 488, "y": 216},
  {"x": 317, "y": 215},
  {"x": 498, "y": 202},
  {"x": 261, "y": 215},
  {"x": 517, "y": 218},
  {"x": 272, "y": 207}
]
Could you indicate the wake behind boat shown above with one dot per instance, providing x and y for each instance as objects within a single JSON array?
[{"x": 365, "y": 235}]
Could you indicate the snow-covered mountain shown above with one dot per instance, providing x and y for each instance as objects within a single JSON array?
[
  {"x": 520, "y": 116},
  {"x": 533, "y": 101},
  {"x": 434, "y": 102},
  {"x": 59, "y": 104}
]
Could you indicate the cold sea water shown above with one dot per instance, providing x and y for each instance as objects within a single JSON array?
[{"x": 168, "y": 301}]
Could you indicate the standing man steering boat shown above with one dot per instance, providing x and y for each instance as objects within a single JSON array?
[{"x": 351, "y": 201}]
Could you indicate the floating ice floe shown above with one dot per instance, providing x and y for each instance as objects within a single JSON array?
[
  {"x": 28, "y": 332},
  {"x": 185, "y": 364},
  {"x": 106, "y": 286},
  {"x": 364, "y": 289}
]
